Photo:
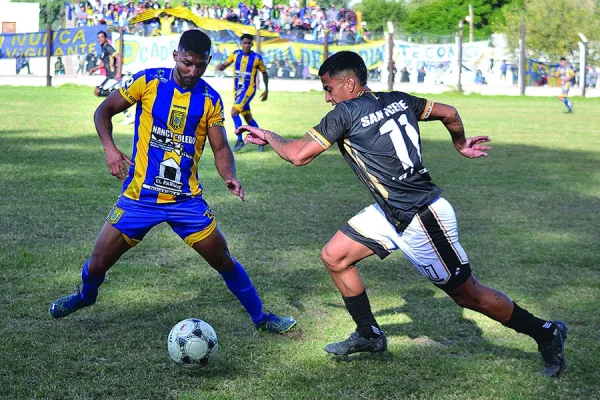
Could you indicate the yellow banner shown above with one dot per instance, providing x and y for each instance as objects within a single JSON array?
[{"x": 209, "y": 24}]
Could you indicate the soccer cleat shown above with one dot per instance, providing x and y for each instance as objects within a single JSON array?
[
  {"x": 238, "y": 145},
  {"x": 68, "y": 304},
  {"x": 261, "y": 148},
  {"x": 356, "y": 344},
  {"x": 272, "y": 323},
  {"x": 553, "y": 351}
]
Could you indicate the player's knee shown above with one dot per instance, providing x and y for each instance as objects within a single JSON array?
[
  {"x": 235, "y": 112},
  {"x": 333, "y": 263}
]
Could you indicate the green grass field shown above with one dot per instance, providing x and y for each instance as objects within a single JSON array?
[{"x": 528, "y": 216}]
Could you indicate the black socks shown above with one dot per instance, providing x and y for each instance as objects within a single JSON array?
[
  {"x": 360, "y": 311},
  {"x": 523, "y": 321}
]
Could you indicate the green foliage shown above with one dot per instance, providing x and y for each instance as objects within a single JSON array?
[
  {"x": 378, "y": 12},
  {"x": 441, "y": 17},
  {"x": 551, "y": 27}
]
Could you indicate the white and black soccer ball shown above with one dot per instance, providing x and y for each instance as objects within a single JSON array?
[{"x": 193, "y": 344}]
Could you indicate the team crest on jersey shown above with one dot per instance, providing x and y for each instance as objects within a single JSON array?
[
  {"x": 115, "y": 215},
  {"x": 176, "y": 120}
]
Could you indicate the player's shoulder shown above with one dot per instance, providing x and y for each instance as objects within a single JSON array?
[
  {"x": 204, "y": 89},
  {"x": 161, "y": 74},
  {"x": 238, "y": 52}
]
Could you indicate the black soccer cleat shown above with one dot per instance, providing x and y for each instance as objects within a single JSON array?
[
  {"x": 356, "y": 344},
  {"x": 238, "y": 145},
  {"x": 553, "y": 351}
]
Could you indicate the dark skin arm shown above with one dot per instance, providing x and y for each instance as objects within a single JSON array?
[
  {"x": 468, "y": 147},
  {"x": 224, "y": 160},
  {"x": 265, "y": 94},
  {"x": 116, "y": 160}
]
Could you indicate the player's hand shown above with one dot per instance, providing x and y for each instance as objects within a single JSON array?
[
  {"x": 253, "y": 135},
  {"x": 264, "y": 96},
  {"x": 117, "y": 163},
  {"x": 235, "y": 187},
  {"x": 118, "y": 77},
  {"x": 472, "y": 148}
]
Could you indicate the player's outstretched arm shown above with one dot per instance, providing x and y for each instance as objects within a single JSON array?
[
  {"x": 224, "y": 160},
  {"x": 223, "y": 65},
  {"x": 468, "y": 147},
  {"x": 297, "y": 151},
  {"x": 116, "y": 160}
]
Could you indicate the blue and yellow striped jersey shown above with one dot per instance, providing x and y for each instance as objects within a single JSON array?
[
  {"x": 566, "y": 73},
  {"x": 246, "y": 69},
  {"x": 171, "y": 124}
]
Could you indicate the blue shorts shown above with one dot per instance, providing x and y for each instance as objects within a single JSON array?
[
  {"x": 191, "y": 219},
  {"x": 242, "y": 100}
]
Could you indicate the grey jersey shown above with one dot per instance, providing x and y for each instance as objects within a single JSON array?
[{"x": 378, "y": 135}]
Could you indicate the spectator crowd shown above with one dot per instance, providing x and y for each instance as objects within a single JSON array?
[{"x": 291, "y": 21}]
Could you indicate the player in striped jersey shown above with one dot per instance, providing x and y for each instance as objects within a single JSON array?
[
  {"x": 566, "y": 74},
  {"x": 378, "y": 135},
  {"x": 176, "y": 113},
  {"x": 247, "y": 64}
]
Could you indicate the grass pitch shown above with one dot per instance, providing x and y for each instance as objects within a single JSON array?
[{"x": 528, "y": 216}]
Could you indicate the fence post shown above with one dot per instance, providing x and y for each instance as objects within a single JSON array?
[
  {"x": 48, "y": 55},
  {"x": 122, "y": 48},
  {"x": 460, "y": 56},
  {"x": 326, "y": 44},
  {"x": 522, "y": 60},
  {"x": 582, "y": 62},
  {"x": 390, "y": 81}
]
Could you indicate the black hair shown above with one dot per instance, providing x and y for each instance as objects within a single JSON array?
[
  {"x": 195, "y": 41},
  {"x": 563, "y": 59},
  {"x": 103, "y": 34},
  {"x": 247, "y": 36},
  {"x": 345, "y": 61}
]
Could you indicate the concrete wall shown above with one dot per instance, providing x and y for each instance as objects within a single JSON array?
[{"x": 26, "y": 15}]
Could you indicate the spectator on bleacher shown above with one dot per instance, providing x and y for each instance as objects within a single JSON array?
[
  {"x": 332, "y": 14},
  {"x": 351, "y": 17},
  {"x": 591, "y": 77},
  {"x": 59, "y": 67},
  {"x": 166, "y": 21}
]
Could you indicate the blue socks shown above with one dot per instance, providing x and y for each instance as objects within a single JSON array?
[
  {"x": 237, "y": 122},
  {"x": 567, "y": 103},
  {"x": 90, "y": 284},
  {"x": 253, "y": 123},
  {"x": 238, "y": 282}
]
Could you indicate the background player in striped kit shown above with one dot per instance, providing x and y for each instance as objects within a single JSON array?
[
  {"x": 378, "y": 135},
  {"x": 247, "y": 64}
]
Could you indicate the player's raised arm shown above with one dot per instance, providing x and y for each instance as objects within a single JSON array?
[
  {"x": 116, "y": 160},
  {"x": 468, "y": 147},
  {"x": 224, "y": 161},
  {"x": 297, "y": 151}
]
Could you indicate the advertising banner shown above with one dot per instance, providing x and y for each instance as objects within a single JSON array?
[
  {"x": 153, "y": 52},
  {"x": 64, "y": 42}
]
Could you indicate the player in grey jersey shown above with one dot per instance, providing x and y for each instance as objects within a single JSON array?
[{"x": 378, "y": 135}]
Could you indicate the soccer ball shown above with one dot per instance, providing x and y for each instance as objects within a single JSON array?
[{"x": 193, "y": 344}]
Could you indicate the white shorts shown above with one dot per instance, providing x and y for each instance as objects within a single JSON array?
[
  {"x": 429, "y": 242},
  {"x": 109, "y": 84}
]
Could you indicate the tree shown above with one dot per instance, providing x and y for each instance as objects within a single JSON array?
[
  {"x": 378, "y": 12},
  {"x": 552, "y": 27},
  {"x": 440, "y": 17}
]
